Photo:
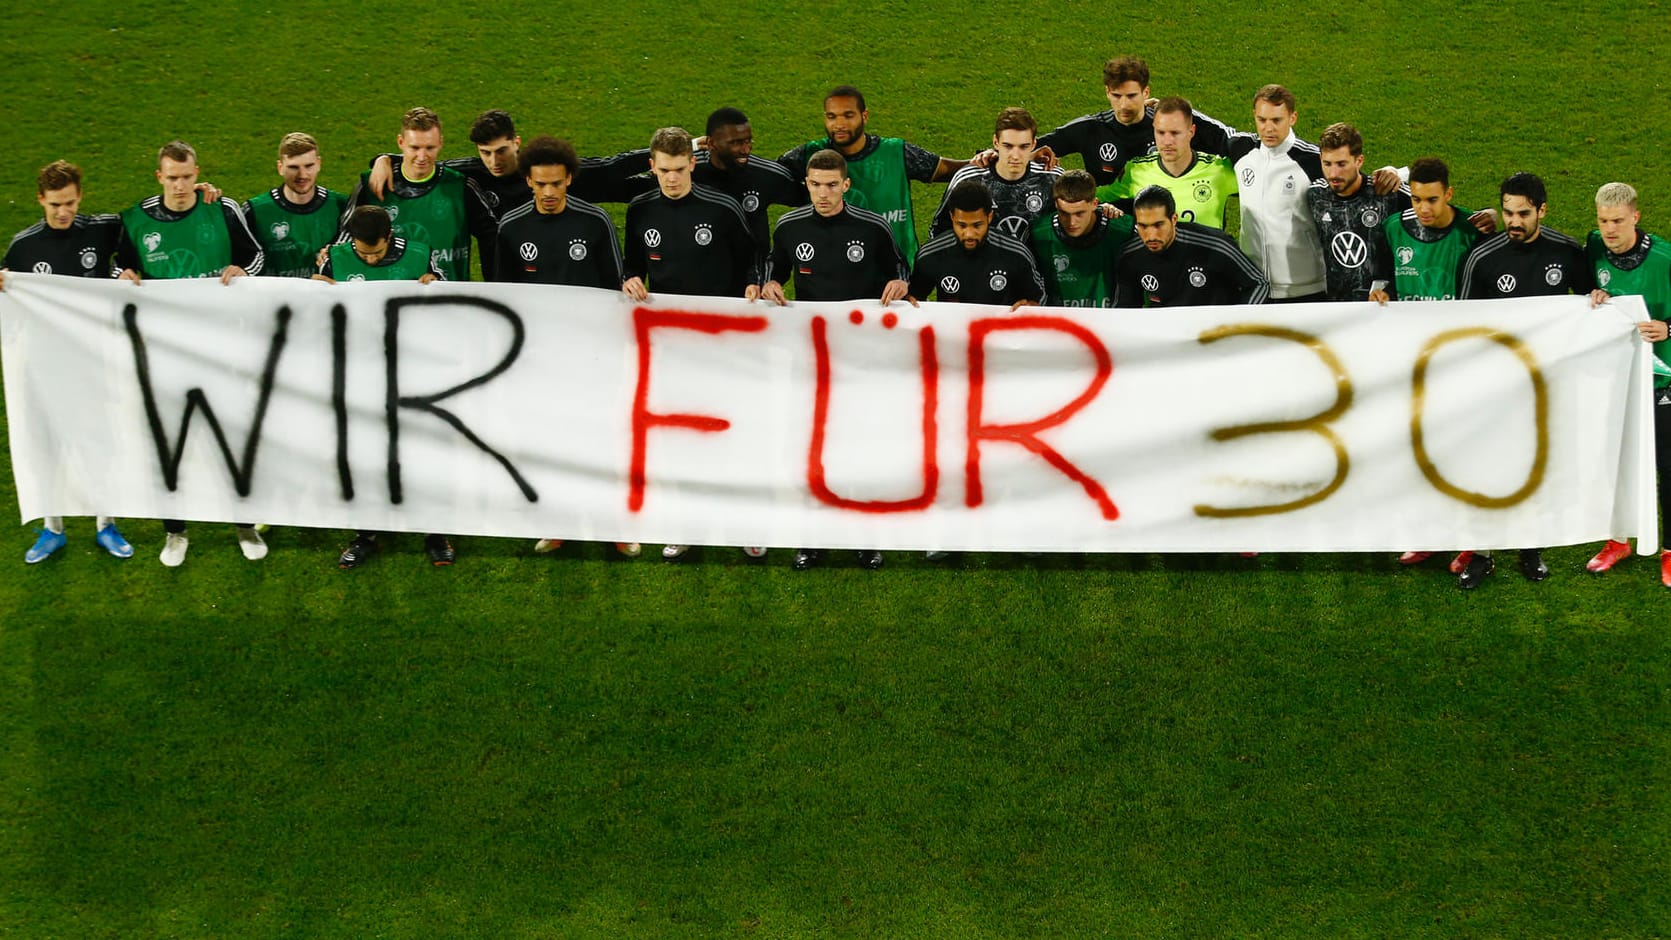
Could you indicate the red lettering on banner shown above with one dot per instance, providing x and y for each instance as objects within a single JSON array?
[
  {"x": 930, "y": 364},
  {"x": 644, "y": 320},
  {"x": 1026, "y": 433}
]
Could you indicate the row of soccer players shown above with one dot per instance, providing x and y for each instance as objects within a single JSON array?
[{"x": 673, "y": 242}]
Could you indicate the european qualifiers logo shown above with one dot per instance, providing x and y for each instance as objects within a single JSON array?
[
  {"x": 153, "y": 240},
  {"x": 704, "y": 234},
  {"x": 1505, "y": 284},
  {"x": 393, "y": 211},
  {"x": 1604, "y": 277},
  {"x": 577, "y": 249},
  {"x": 1406, "y": 254},
  {"x": 1349, "y": 250},
  {"x": 280, "y": 230}
]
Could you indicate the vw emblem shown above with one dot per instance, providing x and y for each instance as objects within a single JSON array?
[
  {"x": 1349, "y": 249},
  {"x": 950, "y": 285},
  {"x": 1505, "y": 284},
  {"x": 803, "y": 251},
  {"x": 529, "y": 251},
  {"x": 652, "y": 238}
]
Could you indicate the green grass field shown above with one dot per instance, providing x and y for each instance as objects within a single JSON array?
[{"x": 581, "y": 745}]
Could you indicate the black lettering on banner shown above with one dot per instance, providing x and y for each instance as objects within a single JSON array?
[
  {"x": 396, "y": 401},
  {"x": 339, "y": 397},
  {"x": 169, "y": 456}
]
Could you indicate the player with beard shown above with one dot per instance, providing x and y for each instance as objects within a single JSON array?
[
  {"x": 1348, "y": 214},
  {"x": 1075, "y": 247},
  {"x": 1182, "y": 264},
  {"x": 972, "y": 264},
  {"x": 67, "y": 243},
  {"x": 1107, "y": 139},
  {"x": 833, "y": 251},
  {"x": 1021, "y": 188},
  {"x": 295, "y": 220},
  {"x": 1201, "y": 182},
  {"x": 1629, "y": 261},
  {"x": 1526, "y": 259},
  {"x": 881, "y": 168}
]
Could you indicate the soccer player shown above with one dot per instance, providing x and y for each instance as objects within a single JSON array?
[
  {"x": 374, "y": 252},
  {"x": 833, "y": 251},
  {"x": 68, "y": 243},
  {"x": 687, "y": 239},
  {"x": 1347, "y": 212},
  {"x": 1075, "y": 247},
  {"x": 1107, "y": 139},
  {"x": 725, "y": 162},
  {"x": 1526, "y": 259},
  {"x": 1020, "y": 188},
  {"x": 296, "y": 219},
  {"x": 1628, "y": 261},
  {"x": 971, "y": 264},
  {"x": 881, "y": 168},
  {"x": 558, "y": 239},
  {"x": 1274, "y": 171},
  {"x": 177, "y": 235},
  {"x": 1425, "y": 245},
  {"x": 1182, "y": 264},
  {"x": 431, "y": 204},
  {"x": 1200, "y": 182},
  {"x": 684, "y": 238}
]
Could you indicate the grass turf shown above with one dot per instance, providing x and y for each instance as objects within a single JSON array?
[{"x": 585, "y": 746}]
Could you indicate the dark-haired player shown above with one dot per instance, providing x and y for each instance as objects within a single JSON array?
[
  {"x": 972, "y": 264},
  {"x": 1348, "y": 214},
  {"x": 881, "y": 168},
  {"x": 1525, "y": 259},
  {"x": 1182, "y": 264},
  {"x": 71, "y": 244},
  {"x": 558, "y": 239},
  {"x": 1426, "y": 244},
  {"x": 374, "y": 252}
]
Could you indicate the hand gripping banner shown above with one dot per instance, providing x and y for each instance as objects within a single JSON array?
[{"x": 509, "y": 410}]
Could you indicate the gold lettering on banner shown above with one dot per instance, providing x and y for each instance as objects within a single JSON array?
[
  {"x": 1540, "y": 401},
  {"x": 1317, "y": 424}
]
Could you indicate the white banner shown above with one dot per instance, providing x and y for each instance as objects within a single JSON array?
[{"x": 493, "y": 409}]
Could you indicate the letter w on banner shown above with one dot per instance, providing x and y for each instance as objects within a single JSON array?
[{"x": 509, "y": 410}]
